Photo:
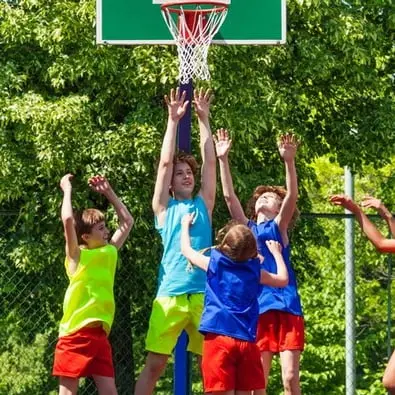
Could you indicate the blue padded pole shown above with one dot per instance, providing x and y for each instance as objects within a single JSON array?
[{"x": 182, "y": 368}]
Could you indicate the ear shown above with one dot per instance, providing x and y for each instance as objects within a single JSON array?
[{"x": 85, "y": 237}]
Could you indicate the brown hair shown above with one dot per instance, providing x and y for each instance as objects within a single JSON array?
[
  {"x": 182, "y": 157},
  {"x": 85, "y": 220},
  {"x": 259, "y": 190},
  {"x": 237, "y": 242}
]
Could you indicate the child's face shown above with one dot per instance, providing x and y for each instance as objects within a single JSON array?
[
  {"x": 268, "y": 203},
  {"x": 98, "y": 237},
  {"x": 183, "y": 181}
]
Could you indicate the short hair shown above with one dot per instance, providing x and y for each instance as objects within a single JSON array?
[
  {"x": 84, "y": 222},
  {"x": 258, "y": 191},
  {"x": 238, "y": 243},
  {"x": 182, "y": 157}
]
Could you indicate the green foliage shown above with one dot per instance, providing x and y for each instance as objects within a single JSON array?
[{"x": 68, "y": 105}]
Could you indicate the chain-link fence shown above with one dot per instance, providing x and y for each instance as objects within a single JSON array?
[{"x": 31, "y": 301}]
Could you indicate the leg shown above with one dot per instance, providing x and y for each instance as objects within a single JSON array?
[
  {"x": 290, "y": 360},
  {"x": 266, "y": 359},
  {"x": 68, "y": 386},
  {"x": 105, "y": 385},
  {"x": 389, "y": 375},
  {"x": 154, "y": 367}
]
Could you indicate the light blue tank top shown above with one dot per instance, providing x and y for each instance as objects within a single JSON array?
[
  {"x": 285, "y": 299},
  {"x": 176, "y": 277}
]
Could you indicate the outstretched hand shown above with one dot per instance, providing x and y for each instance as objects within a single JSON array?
[
  {"x": 372, "y": 202},
  {"x": 176, "y": 104},
  {"x": 344, "y": 201},
  {"x": 287, "y": 146},
  {"x": 273, "y": 246},
  {"x": 202, "y": 101},
  {"x": 222, "y": 143},
  {"x": 100, "y": 185},
  {"x": 65, "y": 182}
]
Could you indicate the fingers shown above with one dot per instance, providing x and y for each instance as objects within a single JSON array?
[{"x": 273, "y": 245}]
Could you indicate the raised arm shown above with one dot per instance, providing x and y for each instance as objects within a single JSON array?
[
  {"x": 100, "y": 185},
  {"x": 72, "y": 248},
  {"x": 196, "y": 258},
  {"x": 280, "y": 279},
  {"x": 176, "y": 105},
  {"x": 222, "y": 147},
  {"x": 287, "y": 147},
  {"x": 202, "y": 101},
  {"x": 372, "y": 233},
  {"x": 377, "y": 204}
]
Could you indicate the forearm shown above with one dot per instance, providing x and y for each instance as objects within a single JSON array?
[
  {"x": 67, "y": 208},
  {"x": 282, "y": 271},
  {"x": 207, "y": 150},
  {"x": 291, "y": 179},
  {"x": 123, "y": 213},
  {"x": 371, "y": 232},
  {"x": 169, "y": 142},
  {"x": 226, "y": 178},
  {"x": 389, "y": 219},
  {"x": 196, "y": 258}
]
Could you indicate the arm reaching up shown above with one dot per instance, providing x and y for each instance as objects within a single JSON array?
[
  {"x": 281, "y": 278},
  {"x": 377, "y": 204},
  {"x": 72, "y": 248},
  {"x": 287, "y": 147},
  {"x": 372, "y": 233},
  {"x": 202, "y": 102},
  {"x": 176, "y": 106},
  {"x": 193, "y": 256},
  {"x": 100, "y": 185},
  {"x": 222, "y": 146}
]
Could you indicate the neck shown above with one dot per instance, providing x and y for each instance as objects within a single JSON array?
[
  {"x": 181, "y": 196},
  {"x": 263, "y": 217}
]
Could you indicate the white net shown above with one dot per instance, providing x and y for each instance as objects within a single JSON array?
[{"x": 193, "y": 31}]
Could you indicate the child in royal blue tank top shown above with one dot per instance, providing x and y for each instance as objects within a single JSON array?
[
  {"x": 272, "y": 210},
  {"x": 231, "y": 358}
]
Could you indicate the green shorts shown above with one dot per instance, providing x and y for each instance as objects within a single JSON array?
[{"x": 169, "y": 316}]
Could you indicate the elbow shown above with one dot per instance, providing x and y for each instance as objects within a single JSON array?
[
  {"x": 67, "y": 219},
  {"x": 129, "y": 222},
  {"x": 283, "y": 282}
]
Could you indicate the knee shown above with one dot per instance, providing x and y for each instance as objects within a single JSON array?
[
  {"x": 156, "y": 364},
  {"x": 290, "y": 378}
]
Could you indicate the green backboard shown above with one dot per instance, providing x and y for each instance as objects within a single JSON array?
[{"x": 133, "y": 22}]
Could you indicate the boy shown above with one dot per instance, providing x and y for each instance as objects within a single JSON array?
[
  {"x": 231, "y": 359},
  {"x": 179, "y": 300},
  {"x": 88, "y": 308},
  {"x": 272, "y": 212}
]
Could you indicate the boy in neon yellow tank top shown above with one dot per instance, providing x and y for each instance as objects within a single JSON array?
[{"x": 88, "y": 308}]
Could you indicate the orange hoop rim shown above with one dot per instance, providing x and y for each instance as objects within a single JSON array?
[{"x": 218, "y": 6}]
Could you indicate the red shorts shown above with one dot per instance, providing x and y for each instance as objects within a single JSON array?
[
  {"x": 231, "y": 364},
  {"x": 279, "y": 331},
  {"x": 84, "y": 353}
]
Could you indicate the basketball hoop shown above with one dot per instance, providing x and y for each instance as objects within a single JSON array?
[{"x": 193, "y": 24}]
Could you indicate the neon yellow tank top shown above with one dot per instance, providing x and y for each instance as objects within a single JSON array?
[{"x": 89, "y": 296}]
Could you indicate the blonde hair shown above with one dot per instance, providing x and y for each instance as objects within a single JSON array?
[
  {"x": 85, "y": 221},
  {"x": 277, "y": 190}
]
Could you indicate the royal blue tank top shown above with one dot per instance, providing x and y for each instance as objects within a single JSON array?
[
  {"x": 285, "y": 299},
  {"x": 231, "y": 299},
  {"x": 176, "y": 277}
]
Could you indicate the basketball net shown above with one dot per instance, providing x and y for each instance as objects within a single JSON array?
[{"x": 193, "y": 31}]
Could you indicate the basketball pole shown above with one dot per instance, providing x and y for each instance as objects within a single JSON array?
[{"x": 182, "y": 359}]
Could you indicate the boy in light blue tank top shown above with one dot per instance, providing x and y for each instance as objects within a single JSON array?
[
  {"x": 272, "y": 212},
  {"x": 179, "y": 301}
]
